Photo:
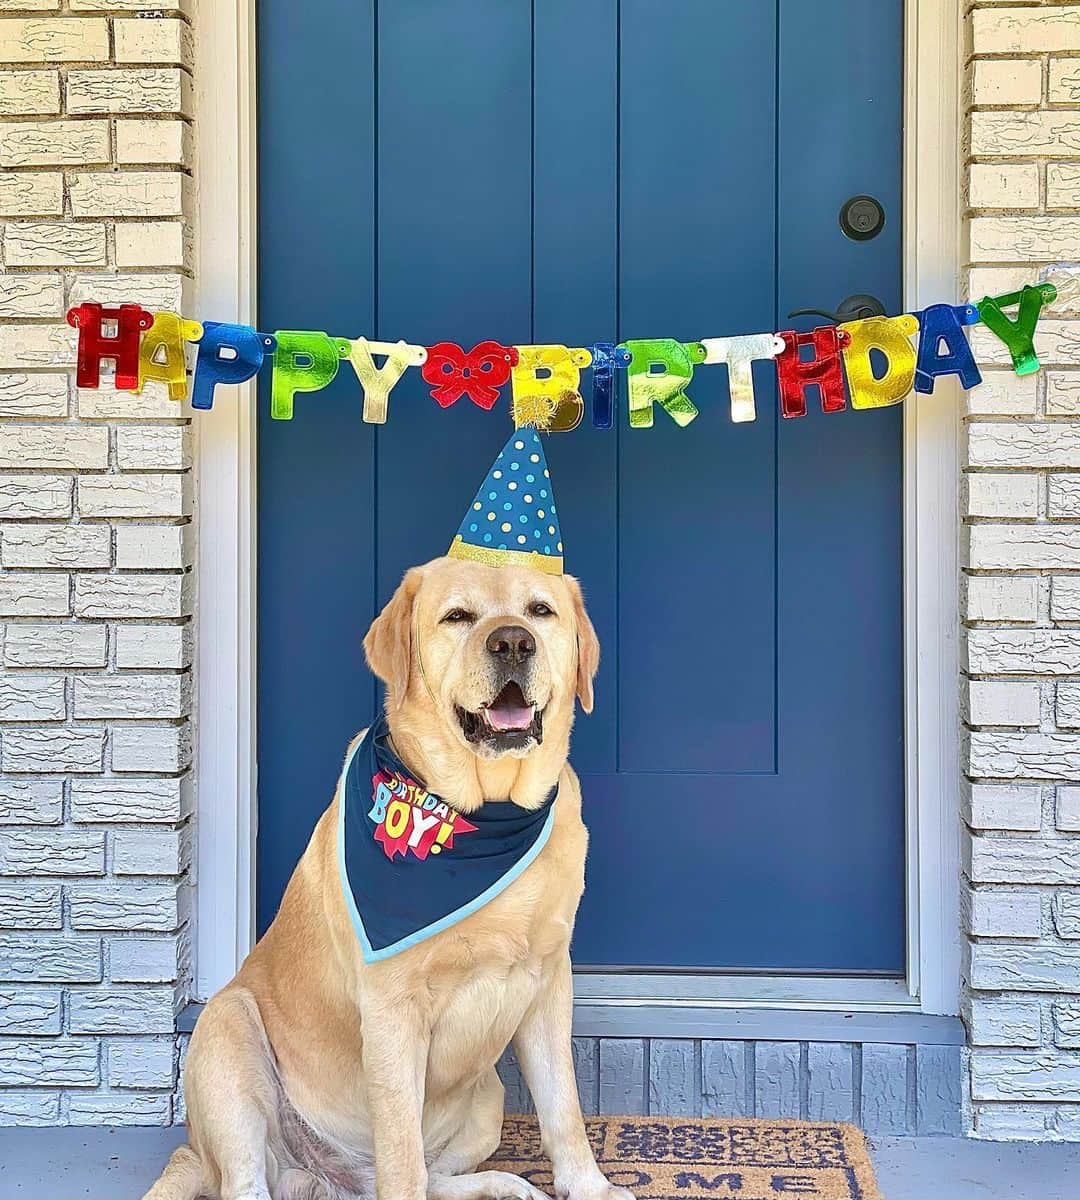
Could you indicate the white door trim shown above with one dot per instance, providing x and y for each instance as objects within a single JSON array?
[{"x": 226, "y": 488}]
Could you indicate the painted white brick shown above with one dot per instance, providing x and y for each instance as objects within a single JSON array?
[
  {"x": 55, "y": 545},
  {"x": 31, "y": 1011},
  {"x": 164, "y": 40},
  {"x": 1067, "y": 706},
  {"x": 151, "y": 404},
  {"x": 1066, "y": 1017},
  {"x": 53, "y": 143},
  {"x": 1065, "y": 598},
  {"x": 1004, "y": 755},
  {"x": 1024, "y": 445},
  {"x": 134, "y": 90},
  {"x": 124, "y": 800},
  {"x": 1025, "y": 239},
  {"x": 1068, "y": 809},
  {"x": 999, "y": 495},
  {"x": 23, "y": 395},
  {"x": 155, "y": 447},
  {"x": 1025, "y": 30},
  {"x": 1017, "y": 134},
  {"x": 1063, "y": 185},
  {"x": 1066, "y": 910},
  {"x": 61, "y": 1063},
  {"x": 55, "y": 646},
  {"x": 126, "y": 193},
  {"x": 140, "y": 908},
  {"x": 154, "y": 547},
  {"x": 1064, "y": 496},
  {"x": 1063, "y": 393},
  {"x": 59, "y": 852},
  {"x": 1025, "y": 860},
  {"x": 52, "y": 750},
  {"x": 29, "y": 93},
  {"x": 23, "y": 1109},
  {"x": 130, "y": 696},
  {"x": 33, "y": 595},
  {"x": 131, "y": 596},
  {"x": 1003, "y": 806},
  {"x": 26, "y": 906},
  {"x": 1002, "y": 394},
  {"x": 1064, "y": 81},
  {"x": 1031, "y": 968},
  {"x": 1007, "y": 81},
  {"x": 153, "y": 244},
  {"x": 994, "y": 598},
  {"x": 119, "y": 1108},
  {"x": 31, "y": 802},
  {"x": 29, "y": 296},
  {"x": 165, "y": 143},
  {"x": 49, "y": 959},
  {"x": 149, "y": 852},
  {"x": 142, "y": 1063},
  {"x": 155, "y": 292},
  {"x": 31, "y": 699},
  {"x": 157, "y": 749},
  {"x": 34, "y": 496},
  {"x": 1023, "y": 651},
  {"x": 54, "y": 244},
  {"x": 36, "y": 346},
  {"x": 1005, "y": 914},
  {"x": 60, "y": 39},
  {"x": 153, "y": 646},
  {"x": 40, "y": 194},
  {"x": 1003, "y": 185},
  {"x": 135, "y": 495},
  {"x": 992, "y": 702},
  {"x": 1005, "y": 1022},
  {"x": 146, "y": 960},
  {"x": 122, "y": 1010},
  {"x": 1031, "y": 1076}
]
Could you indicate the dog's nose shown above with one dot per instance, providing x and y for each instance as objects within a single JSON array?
[{"x": 511, "y": 644}]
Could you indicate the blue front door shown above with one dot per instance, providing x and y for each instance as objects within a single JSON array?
[{"x": 572, "y": 171}]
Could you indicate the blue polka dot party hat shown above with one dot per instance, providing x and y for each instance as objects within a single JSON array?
[{"x": 512, "y": 520}]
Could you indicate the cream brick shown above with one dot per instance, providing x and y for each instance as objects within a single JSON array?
[
  {"x": 59, "y": 852},
  {"x": 1067, "y": 706},
  {"x": 159, "y": 448},
  {"x": 33, "y": 698},
  {"x": 1024, "y": 444},
  {"x": 31, "y": 802},
  {"x": 153, "y": 244},
  {"x": 1005, "y": 914},
  {"x": 1025, "y": 30},
  {"x": 142, "y": 908},
  {"x": 34, "y": 496},
  {"x": 995, "y": 598},
  {"x": 23, "y": 395},
  {"x": 155, "y": 292},
  {"x": 54, "y": 446},
  {"x": 1002, "y": 495},
  {"x": 1023, "y": 547},
  {"x": 1003, "y": 806},
  {"x": 34, "y": 595},
  {"x": 131, "y": 596},
  {"x": 1065, "y": 598},
  {"x": 130, "y": 697},
  {"x": 29, "y": 93},
  {"x": 55, "y": 646},
  {"x": 1063, "y": 393},
  {"x": 26, "y": 906},
  {"x": 36, "y": 345},
  {"x": 59, "y": 39},
  {"x": 56, "y": 750},
  {"x": 1003, "y": 185},
  {"x": 134, "y": 496},
  {"x": 29, "y": 296},
  {"x": 142, "y": 749},
  {"x": 153, "y": 547},
  {"x": 149, "y": 852},
  {"x": 127, "y": 193},
  {"x": 168, "y": 143},
  {"x": 1001, "y": 755},
  {"x": 1019, "y": 239},
  {"x": 184, "y": 6},
  {"x": 125, "y": 800},
  {"x": 54, "y": 244},
  {"x": 55, "y": 546},
  {"x": 135, "y": 90},
  {"x": 993, "y": 702},
  {"x": 1002, "y": 394},
  {"x": 1064, "y": 81},
  {"x": 1017, "y": 134},
  {"x": 163, "y": 40},
  {"x": 104, "y": 404},
  {"x": 1063, "y": 185},
  {"x": 1007, "y": 81},
  {"x": 1005, "y": 1022},
  {"x": 1068, "y": 809},
  {"x": 153, "y": 646},
  {"x": 53, "y": 143},
  {"x": 36, "y": 194},
  {"x": 29, "y": 5}
]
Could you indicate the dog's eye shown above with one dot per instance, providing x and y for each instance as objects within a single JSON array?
[
  {"x": 539, "y": 609},
  {"x": 456, "y": 615}
]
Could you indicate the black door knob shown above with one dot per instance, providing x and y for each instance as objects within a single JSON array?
[
  {"x": 862, "y": 218},
  {"x": 852, "y": 308}
]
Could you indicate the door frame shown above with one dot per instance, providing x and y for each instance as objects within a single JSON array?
[{"x": 224, "y": 912}]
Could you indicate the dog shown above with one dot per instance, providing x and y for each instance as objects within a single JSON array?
[{"x": 316, "y": 1075}]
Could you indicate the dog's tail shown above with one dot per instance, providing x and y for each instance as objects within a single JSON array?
[{"x": 182, "y": 1179}]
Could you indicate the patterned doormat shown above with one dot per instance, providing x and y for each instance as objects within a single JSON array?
[{"x": 668, "y": 1158}]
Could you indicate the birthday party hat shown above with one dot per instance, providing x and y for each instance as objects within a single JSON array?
[{"x": 512, "y": 520}]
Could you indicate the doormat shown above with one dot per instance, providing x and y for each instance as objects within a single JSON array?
[{"x": 707, "y": 1158}]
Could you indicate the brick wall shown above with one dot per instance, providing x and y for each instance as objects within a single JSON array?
[
  {"x": 1022, "y": 581},
  {"x": 95, "y": 506}
]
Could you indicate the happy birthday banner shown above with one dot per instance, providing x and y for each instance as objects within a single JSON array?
[{"x": 545, "y": 381}]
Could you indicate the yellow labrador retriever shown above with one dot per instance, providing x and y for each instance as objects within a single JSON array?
[{"x": 316, "y": 1075}]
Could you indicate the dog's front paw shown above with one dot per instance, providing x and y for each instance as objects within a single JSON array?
[{"x": 593, "y": 1189}]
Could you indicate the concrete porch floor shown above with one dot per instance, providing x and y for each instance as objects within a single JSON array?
[{"x": 120, "y": 1164}]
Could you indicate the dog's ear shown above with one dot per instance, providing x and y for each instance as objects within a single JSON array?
[
  {"x": 588, "y": 646},
  {"x": 388, "y": 643}
]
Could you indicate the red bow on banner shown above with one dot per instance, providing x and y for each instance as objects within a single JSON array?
[{"x": 478, "y": 374}]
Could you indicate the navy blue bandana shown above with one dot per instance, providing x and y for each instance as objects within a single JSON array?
[{"x": 411, "y": 865}]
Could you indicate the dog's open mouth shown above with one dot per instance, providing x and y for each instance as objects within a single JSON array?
[{"x": 509, "y": 721}]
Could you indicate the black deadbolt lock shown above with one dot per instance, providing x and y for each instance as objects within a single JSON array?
[{"x": 862, "y": 218}]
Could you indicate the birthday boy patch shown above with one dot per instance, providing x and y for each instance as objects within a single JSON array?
[{"x": 408, "y": 819}]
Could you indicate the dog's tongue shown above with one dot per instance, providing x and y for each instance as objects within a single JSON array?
[{"x": 508, "y": 711}]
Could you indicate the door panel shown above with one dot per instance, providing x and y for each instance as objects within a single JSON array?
[{"x": 572, "y": 172}]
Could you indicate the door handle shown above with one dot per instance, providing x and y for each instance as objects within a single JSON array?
[{"x": 852, "y": 308}]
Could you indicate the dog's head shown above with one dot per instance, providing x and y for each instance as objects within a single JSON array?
[{"x": 499, "y": 652}]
